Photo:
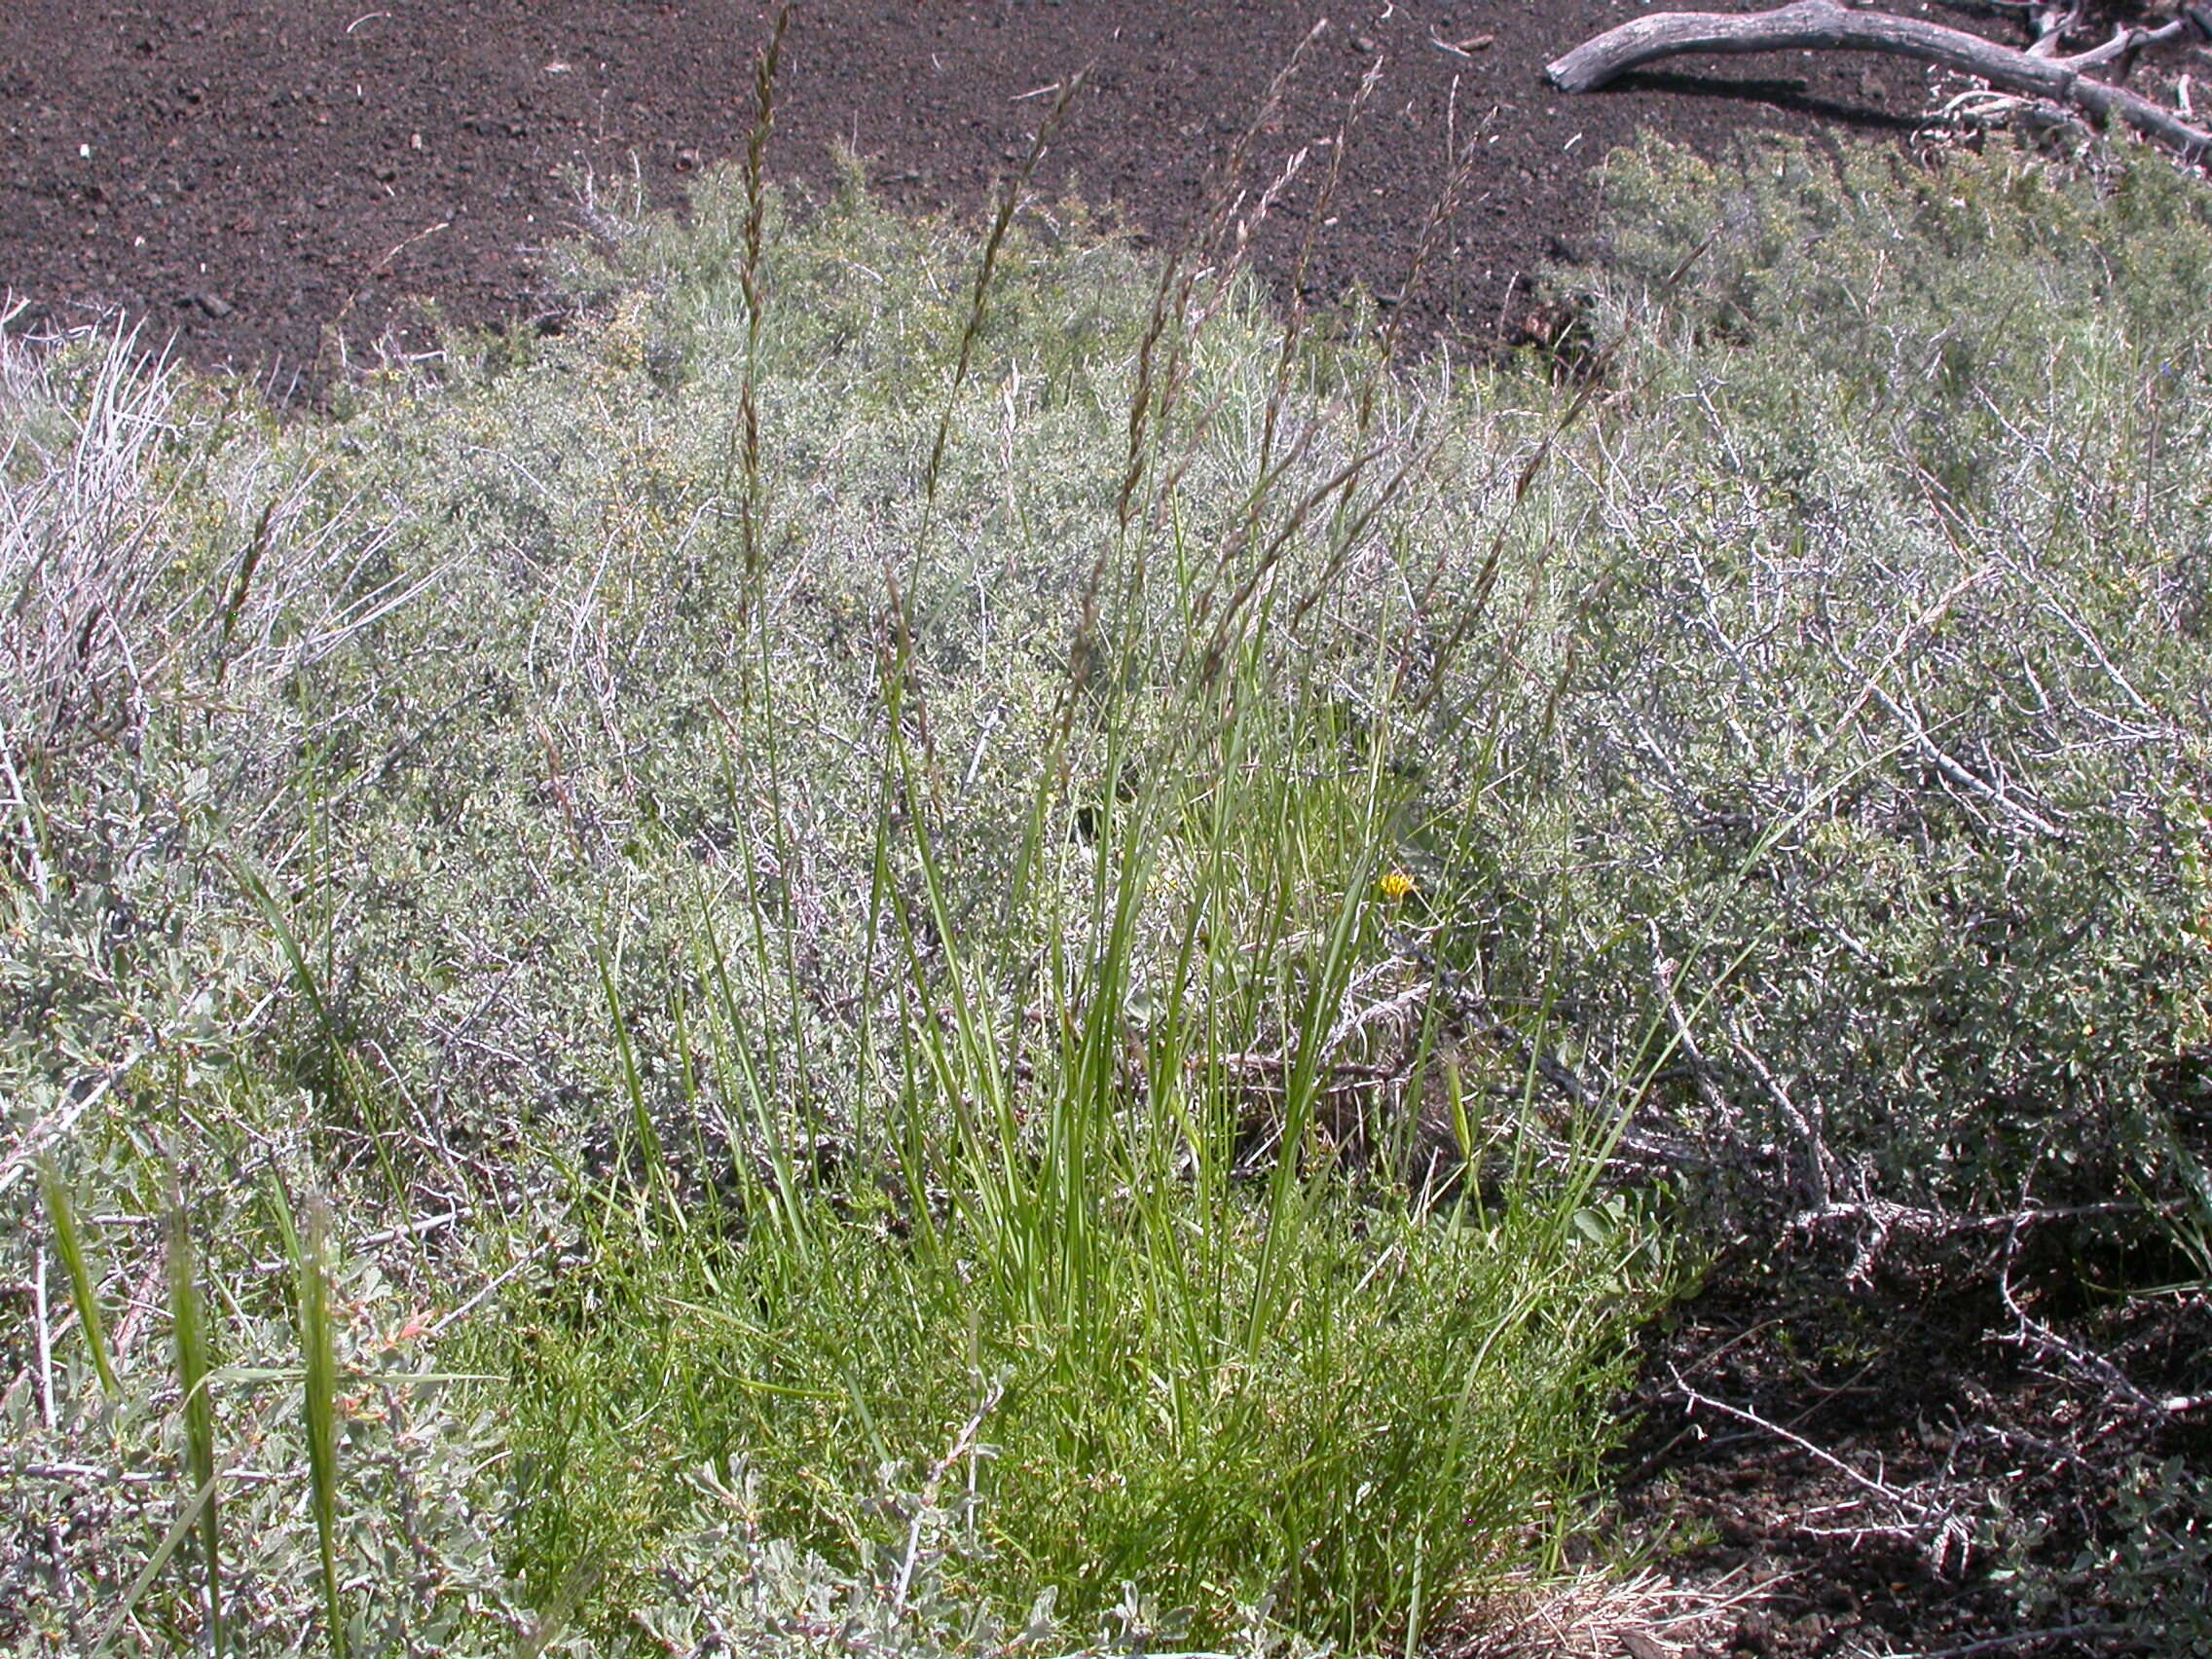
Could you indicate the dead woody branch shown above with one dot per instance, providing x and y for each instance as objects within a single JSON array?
[{"x": 1826, "y": 25}]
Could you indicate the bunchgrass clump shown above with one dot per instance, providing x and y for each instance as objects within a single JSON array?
[{"x": 863, "y": 920}]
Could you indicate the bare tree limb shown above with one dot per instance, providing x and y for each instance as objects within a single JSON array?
[{"x": 1825, "y": 24}]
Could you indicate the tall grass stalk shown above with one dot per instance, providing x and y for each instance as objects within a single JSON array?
[
  {"x": 84, "y": 1285},
  {"x": 607, "y": 960},
  {"x": 1162, "y": 363},
  {"x": 751, "y": 283},
  {"x": 188, "y": 1315},
  {"x": 986, "y": 268},
  {"x": 318, "y": 1351}
]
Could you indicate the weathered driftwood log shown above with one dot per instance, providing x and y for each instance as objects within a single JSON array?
[{"x": 1819, "y": 25}]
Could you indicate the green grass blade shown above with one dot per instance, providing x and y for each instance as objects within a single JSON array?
[
  {"x": 203, "y": 1503},
  {"x": 189, "y": 1315},
  {"x": 320, "y": 1396},
  {"x": 83, "y": 1288},
  {"x": 633, "y": 1081}
]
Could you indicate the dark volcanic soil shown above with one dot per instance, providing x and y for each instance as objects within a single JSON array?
[{"x": 253, "y": 173}]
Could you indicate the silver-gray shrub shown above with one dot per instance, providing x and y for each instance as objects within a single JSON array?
[{"x": 1865, "y": 738}]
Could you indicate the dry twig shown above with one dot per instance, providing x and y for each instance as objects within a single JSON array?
[{"x": 1817, "y": 24}]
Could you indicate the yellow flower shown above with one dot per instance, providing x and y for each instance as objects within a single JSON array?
[{"x": 1395, "y": 886}]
